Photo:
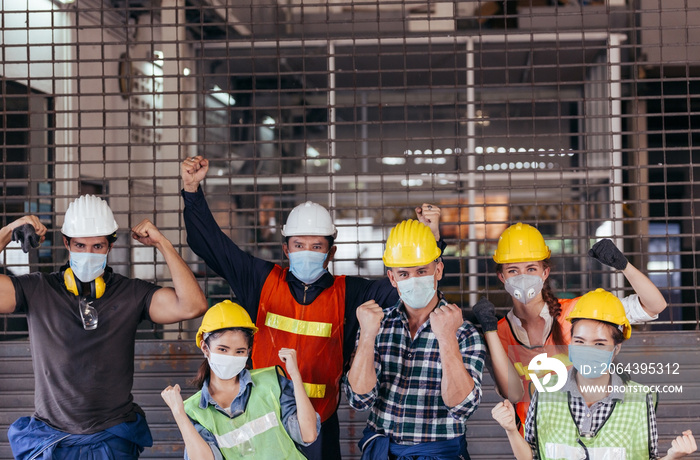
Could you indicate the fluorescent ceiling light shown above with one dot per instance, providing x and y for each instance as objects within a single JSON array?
[
  {"x": 432, "y": 160},
  {"x": 518, "y": 165}
]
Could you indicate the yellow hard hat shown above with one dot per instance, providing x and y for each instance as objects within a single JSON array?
[
  {"x": 222, "y": 316},
  {"x": 520, "y": 243},
  {"x": 603, "y": 306},
  {"x": 410, "y": 244}
]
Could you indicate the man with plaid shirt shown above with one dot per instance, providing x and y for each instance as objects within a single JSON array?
[{"x": 418, "y": 365}]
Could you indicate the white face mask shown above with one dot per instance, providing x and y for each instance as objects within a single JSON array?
[
  {"x": 417, "y": 291},
  {"x": 226, "y": 367},
  {"x": 87, "y": 266},
  {"x": 524, "y": 288}
]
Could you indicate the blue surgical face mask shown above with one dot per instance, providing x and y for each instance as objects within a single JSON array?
[
  {"x": 589, "y": 361},
  {"x": 87, "y": 266},
  {"x": 307, "y": 266},
  {"x": 524, "y": 287},
  {"x": 417, "y": 291}
]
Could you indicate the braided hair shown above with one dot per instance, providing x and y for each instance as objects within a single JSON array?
[{"x": 554, "y": 307}]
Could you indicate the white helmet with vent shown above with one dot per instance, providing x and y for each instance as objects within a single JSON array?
[
  {"x": 309, "y": 219},
  {"x": 89, "y": 216}
]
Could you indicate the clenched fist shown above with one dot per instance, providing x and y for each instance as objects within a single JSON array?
[
  {"x": 504, "y": 414},
  {"x": 193, "y": 171},
  {"x": 446, "y": 320},
  {"x": 429, "y": 214},
  {"x": 370, "y": 316},
  {"x": 172, "y": 397}
]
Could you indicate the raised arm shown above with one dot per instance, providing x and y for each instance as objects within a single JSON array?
[
  {"x": 197, "y": 447},
  {"x": 429, "y": 214},
  {"x": 193, "y": 171},
  {"x": 362, "y": 376},
  {"x": 650, "y": 297},
  {"x": 504, "y": 414},
  {"x": 185, "y": 300},
  {"x": 681, "y": 446},
  {"x": 244, "y": 273},
  {"x": 653, "y": 302},
  {"x": 457, "y": 383},
  {"x": 305, "y": 411},
  {"x": 7, "y": 289},
  {"x": 509, "y": 385}
]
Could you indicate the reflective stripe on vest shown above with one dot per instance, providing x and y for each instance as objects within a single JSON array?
[
  {"x": 520, "y": 355},
  {"x": 564, "y": 452},
  {"x": 315, "y": 331},
  {"x": 256, "y": 433},
  {"x": 624, "y": 435},
  {"x": 315, "y": 390},
  {"x": 297, "y": 326},
  {"x": 246, "y": 432}
]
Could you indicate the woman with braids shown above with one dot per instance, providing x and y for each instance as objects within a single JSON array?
[{"x": 536, "y": 323}]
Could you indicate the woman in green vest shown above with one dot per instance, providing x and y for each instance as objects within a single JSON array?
[
  {"x": 596, "y": 414},
  {"x": 240, "y": 413}
]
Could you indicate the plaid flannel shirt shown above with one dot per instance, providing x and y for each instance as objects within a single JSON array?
[
  {"x": 406, "y": 403},
  {"x": 591, "y": 419}
]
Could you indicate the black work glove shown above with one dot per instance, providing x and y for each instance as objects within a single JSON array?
[
  {"x": 485, "y": 313},
  {"x": 26, "y": 235},
  {"x": 607, "y": 253}
]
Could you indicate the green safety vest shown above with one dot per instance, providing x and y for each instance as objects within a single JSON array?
[
  {"x": 258, "y": 432},
  {"x": 623, "y": 436}
]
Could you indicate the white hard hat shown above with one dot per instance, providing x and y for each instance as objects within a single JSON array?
[
  {"x": 88, "y": 216},
  {"x": 310, "y": 219}
]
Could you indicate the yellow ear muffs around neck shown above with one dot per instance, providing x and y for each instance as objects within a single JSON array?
[{"x": 97, "y": 286}]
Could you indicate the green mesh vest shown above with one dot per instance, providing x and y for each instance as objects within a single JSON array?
[
  {"x": 623, "y": 436},
  {"x": 257, "y": 433}
]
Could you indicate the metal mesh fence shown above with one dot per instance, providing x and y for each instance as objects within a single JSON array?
[{"x": 578, "y": 117}]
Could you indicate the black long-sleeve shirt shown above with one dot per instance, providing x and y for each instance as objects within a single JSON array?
[{"x": 246, "y": 274}]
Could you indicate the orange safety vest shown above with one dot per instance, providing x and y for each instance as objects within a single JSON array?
[
  {"x": 315, "y": 331},
  {"x": 521, "y": 355}
]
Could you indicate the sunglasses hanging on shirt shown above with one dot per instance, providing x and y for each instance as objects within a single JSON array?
[{"x": 88, "y": 313}]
